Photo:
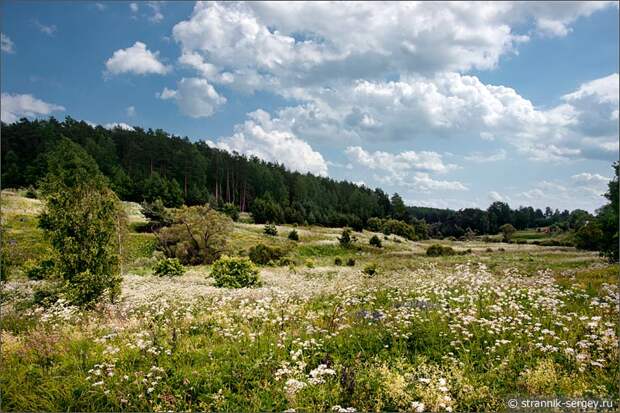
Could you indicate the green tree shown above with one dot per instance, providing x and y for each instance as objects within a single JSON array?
[
  {"x": 507, "y": 232},
  {"x": 399, "y": 210},
  {"x": 589, "y": 237},
  {"x": 84, "y": 221},
  {"x": 608, "y": 219},
  {"x": 198, "y": 236}
]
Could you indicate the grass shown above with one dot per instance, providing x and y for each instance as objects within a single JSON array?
[{"x": 462, "y": 332}]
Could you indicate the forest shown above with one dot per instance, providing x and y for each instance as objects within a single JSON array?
[{"x": 145, "y": 165}]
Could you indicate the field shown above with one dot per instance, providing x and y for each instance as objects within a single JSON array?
[{"x": 457, "y": 333}]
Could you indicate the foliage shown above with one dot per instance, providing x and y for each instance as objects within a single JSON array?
[
  {"x": 293, "y": 235},
  {"x": 394, "y": 226},
  {"x": 270, "y": 229},
  {"x": 507, "y": 231},
  {"x": 437, "y": 250},
  {"x": 608, "y": 219},
  {"x": 149, "y": 164},
  {"x": 589, "y": 237},
  {"x": 84, "y": 222},
  {"x": 370, "y": 269},
  {"x": 198, "y": 236},
  {"x": 338, "y": 261},
  {"x": 346, "y": 240},
  {"x": 351, "y": 262},
  {"x": 235, "y": 272},
  {"x": 309, "y": 263},
  {"x": 169, "y": 267},
  {"x": 267, "y": 210},
  {"x": 39, "y": 270},
  {"x": 157, "y": 214},
  {"x": 231, "y": 210},
  {"x": 262, "y": 254},
  {"x": 375, "y": 241}
]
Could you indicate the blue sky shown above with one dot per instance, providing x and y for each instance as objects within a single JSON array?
[{"x": 451, "y": 105}]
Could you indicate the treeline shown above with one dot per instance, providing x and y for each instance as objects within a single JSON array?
[{"x": 145, "y": 165}]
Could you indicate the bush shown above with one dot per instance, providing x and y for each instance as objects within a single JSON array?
[
  {"x": 346, "y": 240},
  {"x": 270, "y": 229},
  {"x": 198, "y": 235},
  {"x": 396, "y": 227},
  {"x": 293, "y": 235},
  {"x": 588, "y": 237},
  {"x": 262, "y": 254},
  {"x": 370, "y": 269},
  {"x": 157, "y": 214},
  {"x": 231, "y": 210},
  {"x": 351, "y": 262},
  {"x": 235, "y": 272},
  {"x": 286, "y": 261},
  {"x": 437, "y": 250},
  {"x": 169, "y": 267},
  {"x": 39, "y": 270},
  {"x": 375, "y": 241},
  {"x": 309, "y": 263},
  {"x": 507, "y": 231},
  {"x": 489, "y": 250},
  {"x": 374, "y": 224},
  {"x": 338, "y": 261}
]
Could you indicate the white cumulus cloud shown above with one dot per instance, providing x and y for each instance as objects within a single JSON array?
[
  {"x": 16, "y": 106},
  {"x": 195, "y": 97},
  {"x": 136, "y": 59},
  {"x": 260, "y": 136}
]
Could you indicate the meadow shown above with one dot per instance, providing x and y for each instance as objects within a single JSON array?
[{"x": 451, "y": 333}]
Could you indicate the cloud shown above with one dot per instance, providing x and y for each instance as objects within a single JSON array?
[
  {"x": 479, "y": 157},
  {"x": 15, "y": 106},
  {"x": 136, "y": 59},
  {"x": 6, "y": 44},
  {"x": 131, "y": 111},
  {"x": 260, "y": 136},
  {"x": 275, "y": 46},
  {"x": 495, "y": 196},
  {"x": 155, "y": 6},
  {"x": 48, "y": 30},
  {"x": 408, "y": 169},
  {"x": 133, "y": 7},
  {"x": 195, "y": 97},
  {"x": 594, "y": 183},
  {"x": 398, "y": 163},
  {"x": 118, "y": 125},
  {"x": 424, "y": 182},
  {"x": 100, "y": 6}
]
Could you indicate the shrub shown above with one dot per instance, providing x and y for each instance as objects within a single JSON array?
[
  {"x": 286, "y": 261},
  {"x": 501, "y": 249},
  {"x": 157, "y": 214},
  {"x": 198, "y": 235},
  {"x": 396, "y": 227},
  {"x": 270, "y": 229},
  {"x": 293, "y": 235},
  {"x": 231, "y": 210},
  {"x": 235, "y": 272},
  {"x": 351, "y": 262},
  {"x": 39, "y": 270},
  {"x": 346, "y": 240},
  {"x": 370, "y": 269},
  {"x": 375, "y": 241},
  {"x": 338, "y": 261},
  {"x": 588, "y": 237},
  {"x": 489, "y": 250},
  {"x": 437, "y": 250},
  {"x": 169, "y": 267},
  {"x": 309, "y": 263},
  {"x": 507, "y": 231},
  {"x": 262, "y": 254},
  {"x": 374, "y": 224}
]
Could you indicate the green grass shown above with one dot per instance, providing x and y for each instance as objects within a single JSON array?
[{"x": 465, "y": 331}]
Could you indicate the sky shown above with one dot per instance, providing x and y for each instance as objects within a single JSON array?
[{"x": 452, "y": 105}]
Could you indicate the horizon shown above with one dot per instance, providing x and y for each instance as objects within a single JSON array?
[{"x": 495, "y": 102}]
